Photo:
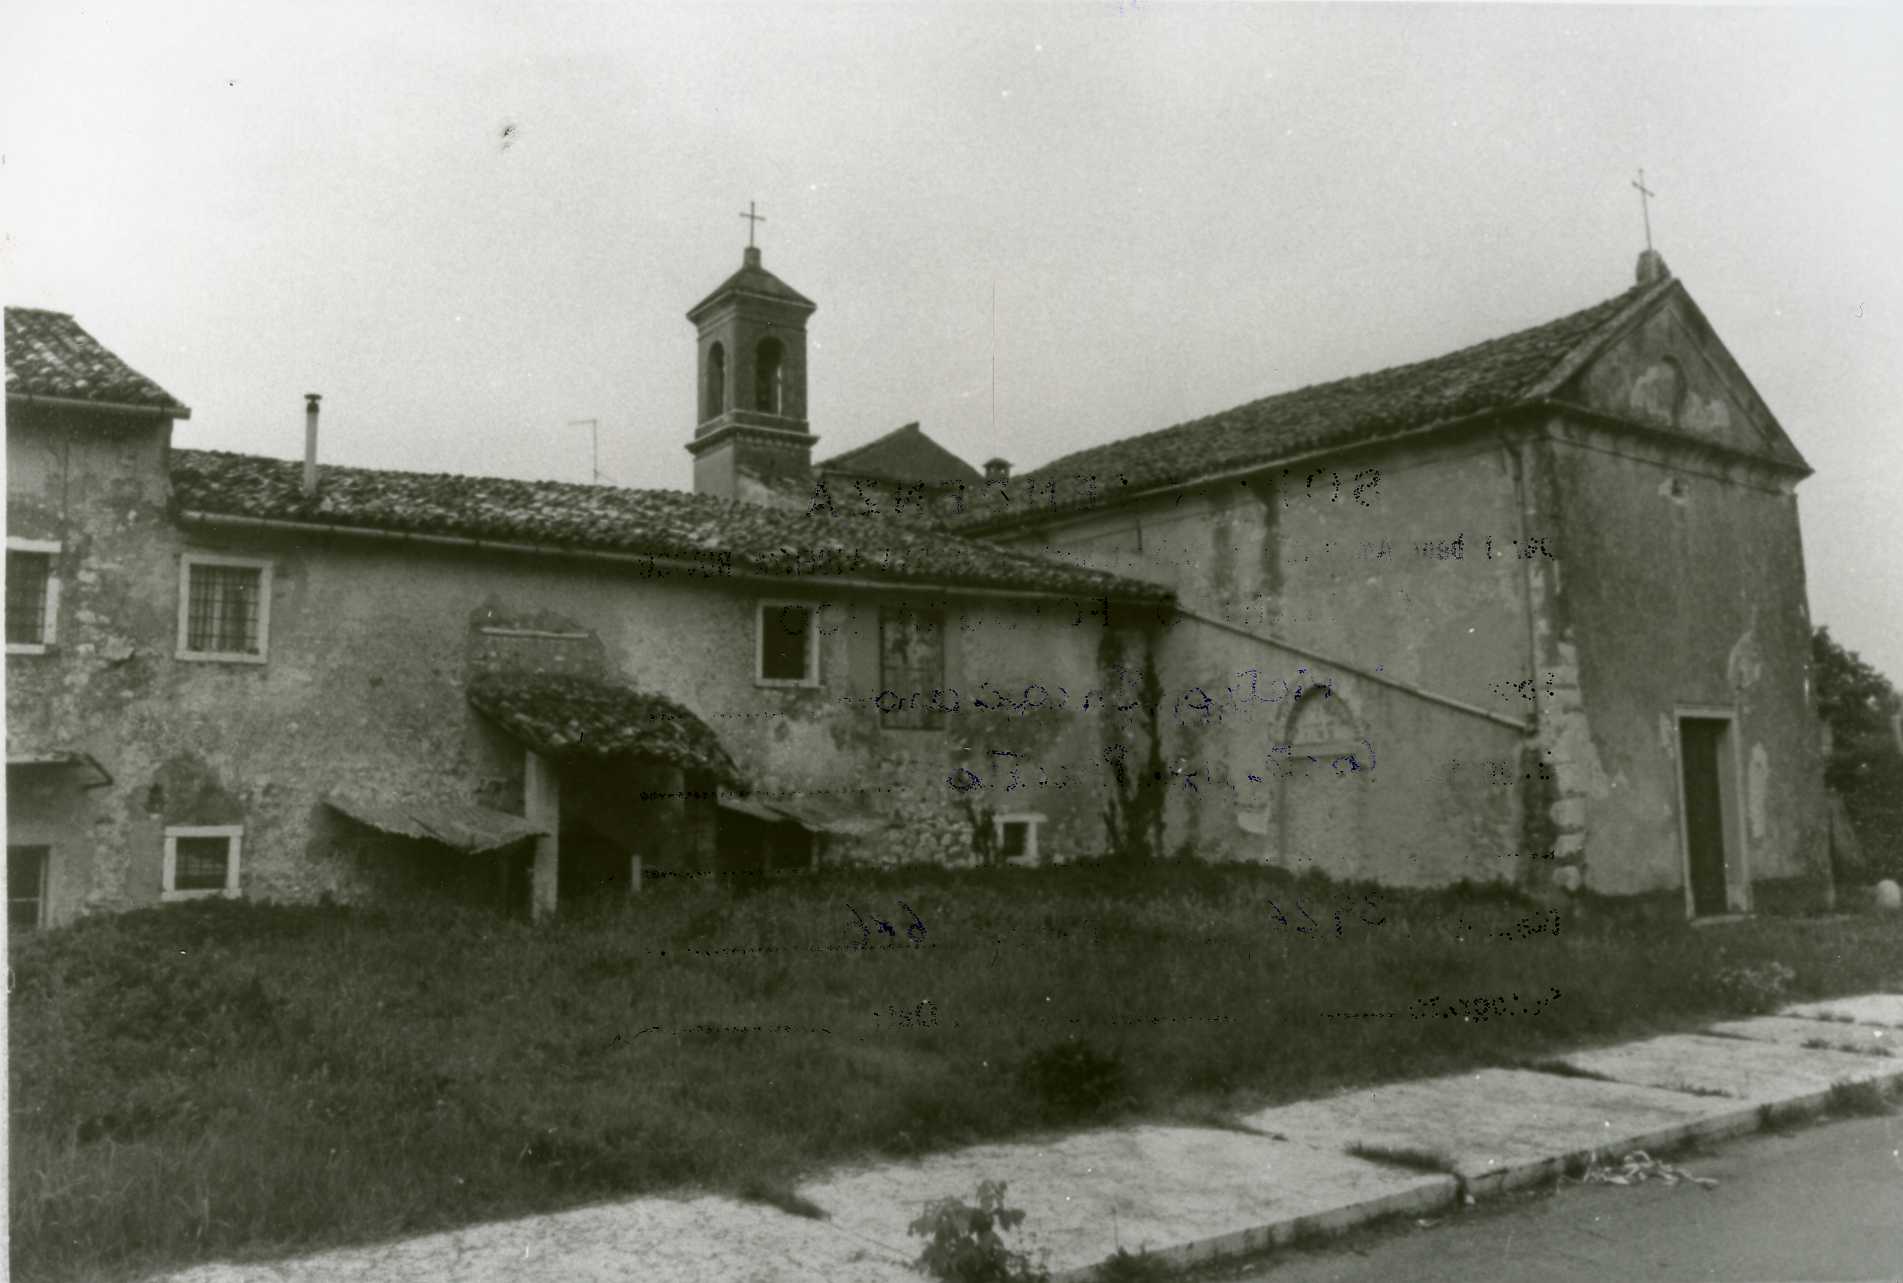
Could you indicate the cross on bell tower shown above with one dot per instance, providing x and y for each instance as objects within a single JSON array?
[{"x": 754, "y": 219}]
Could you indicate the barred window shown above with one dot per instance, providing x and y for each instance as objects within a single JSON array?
[
  {"x": 912, "y": 667},
  {"x": 29, "y": 578},
  {"x": 201, "y": 864},
  {"x": 201, "y": 861},
  {"x": 224, "y": 613}
]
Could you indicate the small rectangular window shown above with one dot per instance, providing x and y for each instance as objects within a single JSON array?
[
  {"x": 789, "y": 644},
  {"x": 201, "y": 861},
  {"x": 224, "y": 609},
  {"x": 26, "y": 887},
  {"x": 1016, "y": 836},
  {"x": 911, "y": 668},
  {"x": 32, "y": 595}
]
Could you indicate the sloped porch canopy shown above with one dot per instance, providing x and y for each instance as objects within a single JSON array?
[
  {"x": 815, "y": 814},
  {"x": 565, "y": 715},
  {"x": 458, "y": 825}
]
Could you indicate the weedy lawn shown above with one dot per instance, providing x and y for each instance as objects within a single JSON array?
[{"x": 230, "y": 1080}]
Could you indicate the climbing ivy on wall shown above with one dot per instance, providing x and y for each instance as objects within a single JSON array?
[{"x": 1139, "y": 780}]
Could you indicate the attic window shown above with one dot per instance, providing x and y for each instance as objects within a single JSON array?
[{"x": 768, "y": 379}]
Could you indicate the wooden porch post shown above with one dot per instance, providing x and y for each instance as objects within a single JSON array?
[{"x": 542, "y": 805}]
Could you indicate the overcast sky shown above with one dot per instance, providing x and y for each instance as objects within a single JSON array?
[{"x": 468, "y": 224}]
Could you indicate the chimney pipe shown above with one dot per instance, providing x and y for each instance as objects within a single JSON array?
[{"x": 310, "y": 444}]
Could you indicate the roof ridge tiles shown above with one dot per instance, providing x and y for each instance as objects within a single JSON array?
[
  {"x": 1489, "y": 374},
  {"x": 665, "y": 524}
]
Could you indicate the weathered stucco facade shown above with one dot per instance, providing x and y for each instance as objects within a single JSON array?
[
  {"x": 371, "y": 639},
  {"x": 372, "y": 645},
  {"x": 1516, "y": 617},
  {"x": 1531, "y": 612}
]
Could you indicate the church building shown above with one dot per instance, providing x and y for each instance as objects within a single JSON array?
[
  {"x": 1530, "y": 612},
  {"x": 1554, "y": 582}
]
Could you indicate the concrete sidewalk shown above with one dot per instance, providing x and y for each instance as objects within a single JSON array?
[{"x": 1187, "y": 1194}]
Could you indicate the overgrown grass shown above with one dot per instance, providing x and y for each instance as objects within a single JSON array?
[{"x": 230, "y": 1080}]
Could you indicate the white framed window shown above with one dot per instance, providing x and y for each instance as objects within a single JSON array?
[
  {"x": 32, "y": 595},
  {"x": 1016, "y": 835},
  {"x": 787, "y": 653},
  {"x": 224, "y": 608},
  {"x": 201, "y": 861}
]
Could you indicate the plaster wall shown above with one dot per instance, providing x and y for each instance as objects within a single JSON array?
[
  {"x": 371, "y": 645},
  {"x": 1683, "y": 589},
  {"x": 1406, "y": 558},
  {"x": 1403, "y": 564},
  {"x": 1282, "y": 758}
]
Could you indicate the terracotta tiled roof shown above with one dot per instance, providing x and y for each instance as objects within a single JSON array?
[
  {"x": 1487, "y": 376},
  {"x": 49, "y": 355},
  {"x": 671, "y": 524},
  {"x": 904, "y": 454},
  {"x": 566, "y": 715}
]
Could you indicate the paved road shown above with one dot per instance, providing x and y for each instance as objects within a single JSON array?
[{"x": 1825, "y": 1202}]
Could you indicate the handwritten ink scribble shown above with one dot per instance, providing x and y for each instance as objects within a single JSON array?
[
  {"x": 1475, "y": 1010},
  {"x": 914, "y": 931}
]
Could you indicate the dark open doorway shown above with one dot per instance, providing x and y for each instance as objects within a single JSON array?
[{"x": 1705, "y": 762}]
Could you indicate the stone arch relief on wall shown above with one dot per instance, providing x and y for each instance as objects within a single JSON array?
[{"x": 1321, "y": 769}]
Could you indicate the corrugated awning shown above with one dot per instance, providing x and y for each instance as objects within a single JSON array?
[
  {"x": 454, "y": 824},
  {"x": 815, "y": 813}
]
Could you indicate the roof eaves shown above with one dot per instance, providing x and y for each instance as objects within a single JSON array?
[
  {"x": 977, "y": 528},
  {"x": 1115, "y": 588},
  {"x": 167, "y": 410}
]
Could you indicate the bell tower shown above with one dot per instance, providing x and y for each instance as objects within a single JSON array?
[{"x": 751, "y": 388}]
